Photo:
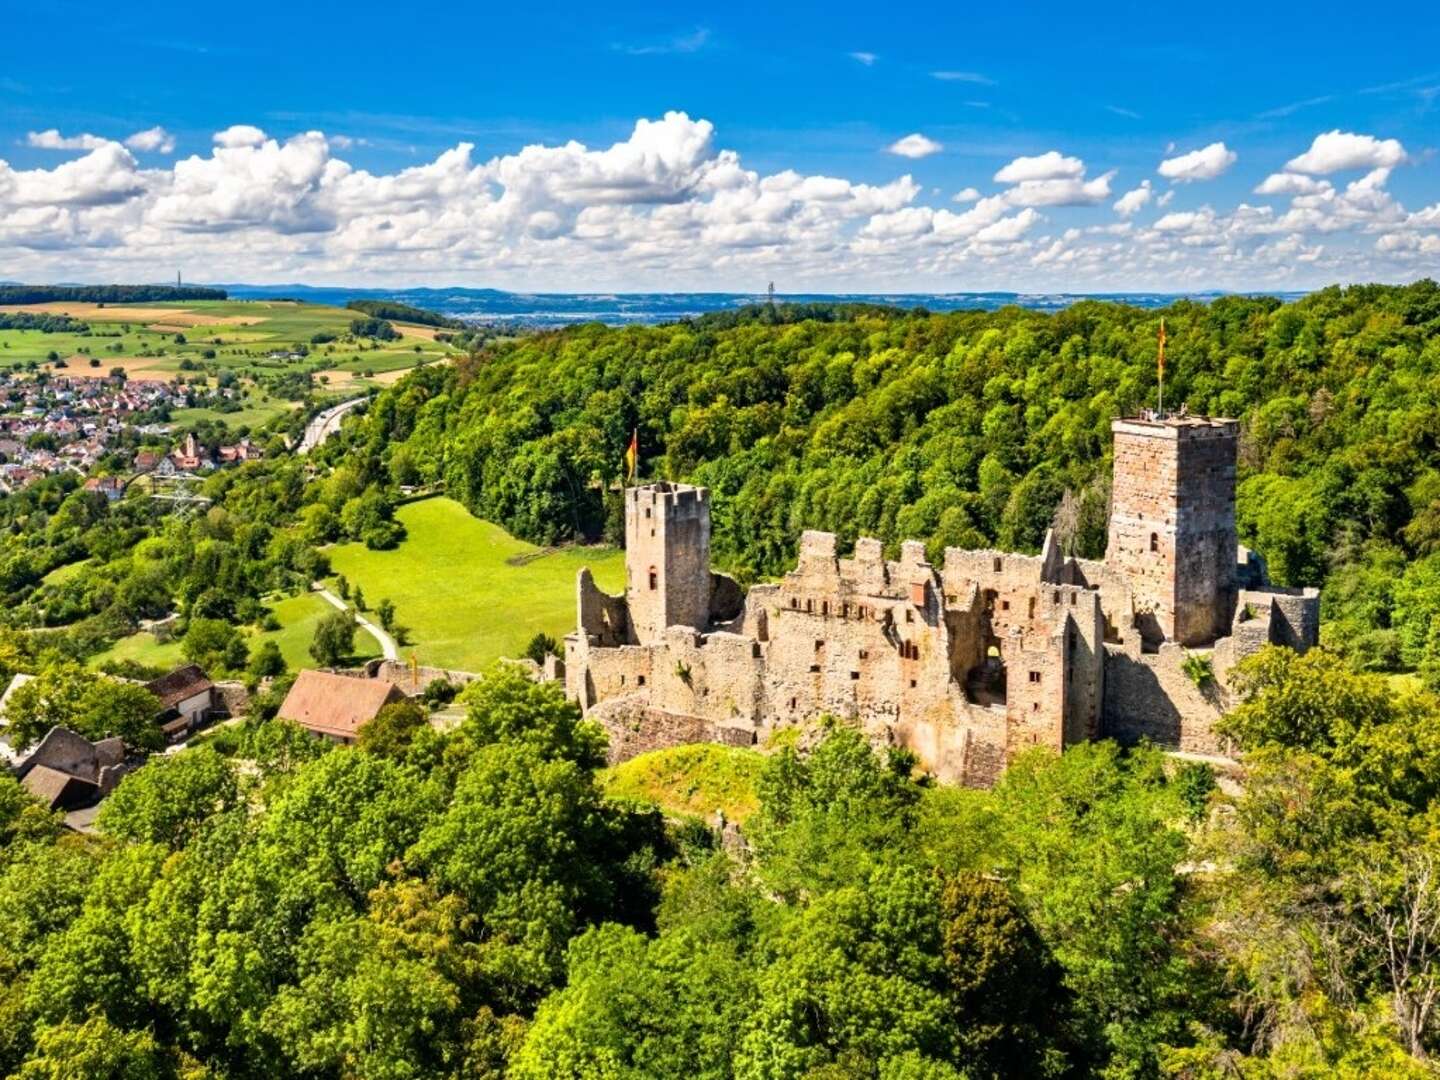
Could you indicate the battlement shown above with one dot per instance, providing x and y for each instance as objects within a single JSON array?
[
  {"x": 1175, "y": 427},
  {"x": 817, "y": 545},
  {"x": 671, "y": 499}
]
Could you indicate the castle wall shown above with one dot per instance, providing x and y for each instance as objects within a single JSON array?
[
  {"x": 858, "y": 637},
  {"x": 1149, "y": 696},
  {"x": 635, "y": 727},
  {"x": 603, "y": 618},
  {"x": 967, "y": 664}
]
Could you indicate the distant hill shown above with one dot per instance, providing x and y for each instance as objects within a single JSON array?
[
  {"x": 396, "y": 312},
  {"x": 615, "y": 309}
]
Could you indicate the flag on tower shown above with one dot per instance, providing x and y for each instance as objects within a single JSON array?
[
  {"x": 632, "y": 454},
  {"x": 1161, "y": 363}
]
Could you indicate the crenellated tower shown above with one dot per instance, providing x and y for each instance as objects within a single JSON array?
[
  {"x": 1172, "y": 524},
  {"x": 667, "y": 558}
]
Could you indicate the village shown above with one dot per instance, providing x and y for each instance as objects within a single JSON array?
[{"x": 72, "y": 423}]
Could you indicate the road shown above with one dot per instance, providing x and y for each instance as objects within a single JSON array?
[
  {"x": 388, "y": 648},
  {"x": 325, "y": 424}
]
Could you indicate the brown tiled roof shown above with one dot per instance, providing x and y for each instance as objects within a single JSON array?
[
  {"x": 336, "y": 705},
  {"x": 180, "y": 684}
]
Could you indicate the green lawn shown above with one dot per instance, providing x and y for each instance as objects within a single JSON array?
[
  {"x": 143, "y": 649},
  {"x": 691, "y": 781},
  {"x": 297, "y": 614},
  {"x": 62, "y": 574},
  {"x": 258, "y": 409},
  {"x": 464, "y": 603}
]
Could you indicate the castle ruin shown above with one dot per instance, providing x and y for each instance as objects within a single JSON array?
[{"x": 966, "y": 663}]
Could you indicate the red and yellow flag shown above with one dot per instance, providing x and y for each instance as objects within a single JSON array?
[{"x": 632, "y": 454}]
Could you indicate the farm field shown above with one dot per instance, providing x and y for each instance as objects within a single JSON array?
[
  {"x": 258, "y": 409},
  {"x": 298, "y": 616},
  {"x": 469, "y": 592},
  {"x": 142, "y": 339}
]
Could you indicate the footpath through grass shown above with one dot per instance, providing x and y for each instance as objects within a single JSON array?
[
  {"x": 469, "y": 592},
  {"x": 298, "y": 616}
]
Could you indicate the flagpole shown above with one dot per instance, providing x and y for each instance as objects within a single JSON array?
[{"x": 1161, "y": 409}]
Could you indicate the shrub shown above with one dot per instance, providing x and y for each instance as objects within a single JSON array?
[{"x": 1198, "y": 668}]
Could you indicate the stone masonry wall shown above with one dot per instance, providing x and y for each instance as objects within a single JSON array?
[{"x": 1149, "y": 696}]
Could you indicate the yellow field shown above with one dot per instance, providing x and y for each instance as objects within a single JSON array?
[
  {"x": 165, "y": 320},
  {"x": 140, "y": 368}
]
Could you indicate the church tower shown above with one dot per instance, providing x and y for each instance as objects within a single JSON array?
[
  {"x": 1172, "y": 524},
  {"x": 667, "y": 558}
]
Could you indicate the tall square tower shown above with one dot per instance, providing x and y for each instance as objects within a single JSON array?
[
  {"x": 1172, "y": 524},
  {"x": 667, "y": 558}
]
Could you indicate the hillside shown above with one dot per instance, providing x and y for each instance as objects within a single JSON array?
[
  {"x": 467, "y": 592},
  {"x": 971, "y": 429}
]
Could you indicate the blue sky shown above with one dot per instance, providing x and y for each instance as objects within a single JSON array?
[{"x": 1094, "y": 101}]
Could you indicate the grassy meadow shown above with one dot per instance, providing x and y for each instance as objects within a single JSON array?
[
  {"x": 469, "y": 592},
  {"x": 298, "y": 616}
]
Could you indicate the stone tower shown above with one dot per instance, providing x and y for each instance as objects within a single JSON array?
[
  {"x": 1172, "y": 524},
  {"x": 667, "y": 558}
]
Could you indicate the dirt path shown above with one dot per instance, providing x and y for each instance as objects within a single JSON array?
[{"x": 388, "y": 647}]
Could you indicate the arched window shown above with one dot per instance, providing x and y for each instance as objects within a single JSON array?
[
  {"x": 654, "y": 579},
  {"x": 1154, "y": 541}
]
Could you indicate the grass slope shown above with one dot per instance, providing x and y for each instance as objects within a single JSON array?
[
  {"x": 297, "y": 614},
  {"x": 466, "y": 589},
  {"x": 62, "y": 574},
  {"x": 691, "y": 781}
]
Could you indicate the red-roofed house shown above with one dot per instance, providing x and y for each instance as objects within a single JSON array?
[{"x": 334, "y": 706}]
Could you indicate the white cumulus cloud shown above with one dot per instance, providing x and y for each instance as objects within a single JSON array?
[
  {"x": 1061, "y": 191},
  {"x": 1337, "y": 150},
  {"x": 1289, "y": 183},
  {"x": 239, "y": 135},
  {"x": 1134, "y": 200},
  {"x": 1204, "y": 164},
  {"x": 914, "y": 146},
  {"x": 152, "y": 140},
  {"x": 667, "y": 206},
  {"x": 51, "y": 139},
  {"x": 1048, "y": 166}
]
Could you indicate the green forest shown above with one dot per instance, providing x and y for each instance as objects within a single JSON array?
[
  {"x": 472, "y": 904},
  {"x": 969, "y": 429}
]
